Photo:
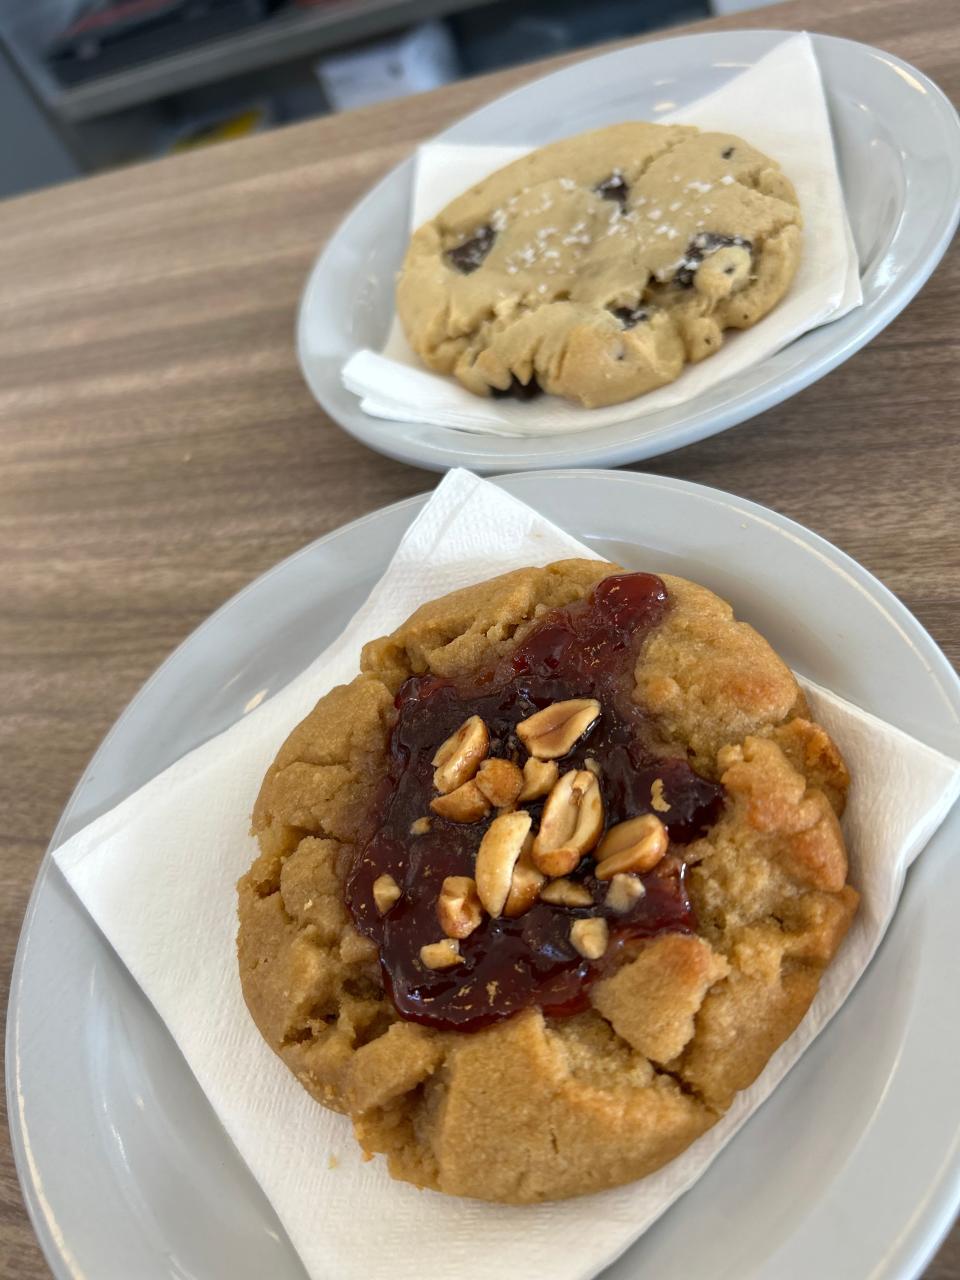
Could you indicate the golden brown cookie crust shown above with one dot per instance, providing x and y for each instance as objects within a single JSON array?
[
  {"x": 536, "y": 1107},
  {"x": 598, "y": 266}
]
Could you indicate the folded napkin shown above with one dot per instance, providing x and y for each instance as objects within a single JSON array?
[
  {"x": 778, "y": 106},
  {"x": 157, "y": 873}
]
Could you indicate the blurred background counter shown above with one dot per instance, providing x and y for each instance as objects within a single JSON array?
[{"x": 89, "y": 84}]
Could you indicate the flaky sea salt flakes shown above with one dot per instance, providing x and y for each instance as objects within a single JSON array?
[
  {"x": 654, "y": 214},
  {"x": 702, "y": 187},
  {"x": 498, "y": 220},
  {"x": 568, "y": 184},
  {"x": 727, "y": 179},
  {"x": 677, "y": 204}
]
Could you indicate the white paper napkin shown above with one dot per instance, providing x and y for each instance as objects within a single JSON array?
[
  {"x": 778, "y": 106},
  {"x": 157, "y": 873}
]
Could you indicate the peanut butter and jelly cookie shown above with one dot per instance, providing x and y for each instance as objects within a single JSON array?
[
  {"x": 547, "y": 883},
  {"x": 596, "y": 267}
]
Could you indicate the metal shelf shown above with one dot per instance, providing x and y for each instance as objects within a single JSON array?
[{"x": 284, "y": 37}]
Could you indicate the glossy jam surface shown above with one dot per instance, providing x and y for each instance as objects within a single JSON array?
[{"x": 584, "y": 650}]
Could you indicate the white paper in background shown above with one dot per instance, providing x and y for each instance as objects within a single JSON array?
[
  {"x": 778, "y": 106},
  {"x": 157, "y": 873}
]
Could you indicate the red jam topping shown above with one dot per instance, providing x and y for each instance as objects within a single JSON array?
[{"x": 586, "y": 649}]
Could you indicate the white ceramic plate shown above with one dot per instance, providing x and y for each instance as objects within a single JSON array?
[
  {"x": 898, "y": 148},
  {"x": 851, "y": 1169}
]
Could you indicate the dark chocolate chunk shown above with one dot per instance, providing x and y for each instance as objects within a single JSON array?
[
  {"x": 727, "y": 152},
  {"x": 613, "y": 188},
  {"x": 700, "y": 247},
  {"x": 468, "y": 256},
  {"x": 630, "y": 316},
  {"x": 518, "y": 390}
]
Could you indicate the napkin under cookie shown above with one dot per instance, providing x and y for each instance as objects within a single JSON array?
[
  {"x": 778, "y": 105},
  {"x": 157, "y": 873}
]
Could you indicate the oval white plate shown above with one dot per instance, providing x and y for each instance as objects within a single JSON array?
[
  {"x": 851, "y": 1169},
  {"x": 898, "y": 148}
]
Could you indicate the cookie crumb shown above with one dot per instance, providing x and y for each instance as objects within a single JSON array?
[
  {"x": 657, "y": 798},
  {"x": 333, "y": 1162}
]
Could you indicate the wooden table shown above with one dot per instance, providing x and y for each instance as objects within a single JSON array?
[{"x": 158, "y": 448}]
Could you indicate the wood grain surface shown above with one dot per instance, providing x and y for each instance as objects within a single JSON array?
[{"x": 158, "y": 448}]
